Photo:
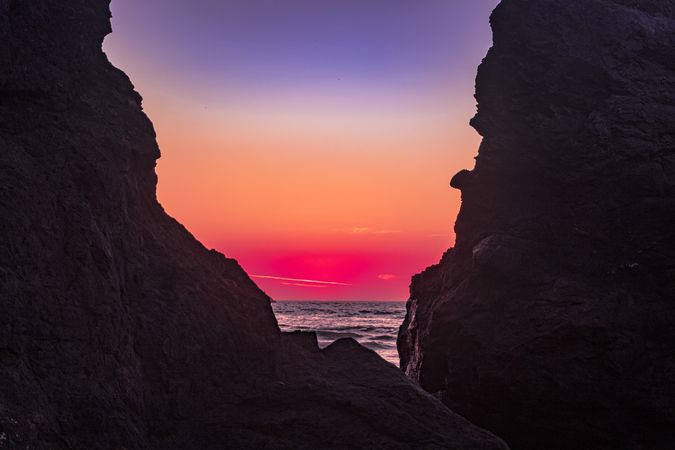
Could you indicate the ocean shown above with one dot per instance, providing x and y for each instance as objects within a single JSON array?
[{"x": 373, "y": 324}]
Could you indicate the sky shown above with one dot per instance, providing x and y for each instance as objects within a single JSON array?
[{"x": 312, "y": 140}]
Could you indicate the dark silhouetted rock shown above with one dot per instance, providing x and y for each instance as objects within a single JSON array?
[
  {"x": 552, "y": 321},
  {"x": 118, "y": 330}
]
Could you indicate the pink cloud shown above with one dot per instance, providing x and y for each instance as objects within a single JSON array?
[
  {"x": 299, "y": 280},
  {"x": 319, "y": 286},
  {"x": 387, "y": 277}
]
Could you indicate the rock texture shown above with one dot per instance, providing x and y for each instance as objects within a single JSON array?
[
  {"x": 552, "y": 320},
  {"x": 117, "y": 328}
]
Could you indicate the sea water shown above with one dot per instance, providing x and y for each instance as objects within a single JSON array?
[{"x": 373, "y": 324}]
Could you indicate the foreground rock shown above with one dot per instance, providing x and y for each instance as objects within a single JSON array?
[
  {"x": 552, "y": 321},
  {"x": 117, "y": 328},
  {"x": 344, "y": 396}
]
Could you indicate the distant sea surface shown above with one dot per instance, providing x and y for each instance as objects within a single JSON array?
[{"x": 373, "y": 324}]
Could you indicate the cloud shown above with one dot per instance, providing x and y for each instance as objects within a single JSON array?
[
  {"x": 366, "y": 230},
  {"x": 318, "y": 286},
  {"x": 301, "y": 280},
  {"x": 387, "y": 277}
]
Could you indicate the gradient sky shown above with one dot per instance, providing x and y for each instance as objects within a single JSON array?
[{"x": 312, "y": 140}]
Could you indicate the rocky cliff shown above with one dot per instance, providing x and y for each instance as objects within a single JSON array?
[
  {"x": 552, "y": 320},
  {"x": 117, "y": 328}
]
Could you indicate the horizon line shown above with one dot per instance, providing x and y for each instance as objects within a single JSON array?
[{"x": 336, "y": 301}]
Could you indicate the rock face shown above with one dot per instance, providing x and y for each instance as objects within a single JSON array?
[
  {"x": 552, "y": 321},
  {"x": 117, "y": 328}
]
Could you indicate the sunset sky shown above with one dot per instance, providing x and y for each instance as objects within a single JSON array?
[{"x": 312, "y": 140}]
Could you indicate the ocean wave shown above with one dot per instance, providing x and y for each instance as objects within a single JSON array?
[
  {"x": 373, "y": 325},
  {"x": 336, "y": 334},
  {"x": 383, "y": 337}
]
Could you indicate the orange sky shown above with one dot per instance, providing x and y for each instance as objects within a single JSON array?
[{"x": 330, "y": 191}]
